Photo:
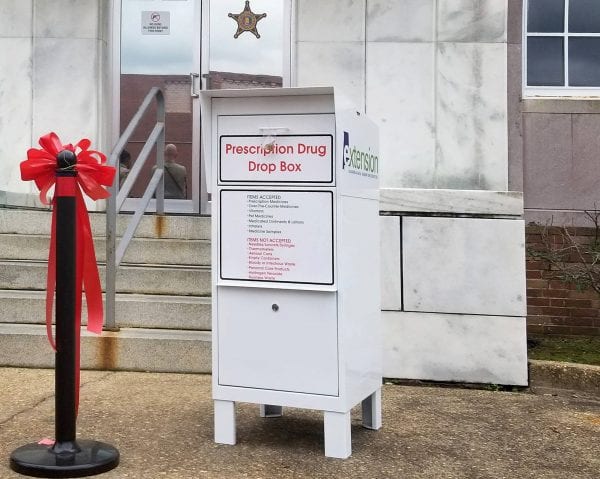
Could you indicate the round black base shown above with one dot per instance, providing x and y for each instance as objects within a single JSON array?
[{"x": 88, "y": 458}]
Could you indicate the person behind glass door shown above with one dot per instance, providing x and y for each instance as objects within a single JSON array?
[
  {"x": 175, "y": 175},
  {"x": 124, "y": 166}
]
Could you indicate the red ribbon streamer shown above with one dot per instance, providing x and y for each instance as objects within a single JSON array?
[{"x": 92, "y": 175}]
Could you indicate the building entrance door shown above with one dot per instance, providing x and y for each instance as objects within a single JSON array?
[
  {"x": 160, "y": 46},
  {"x": 182, "y": 46}
]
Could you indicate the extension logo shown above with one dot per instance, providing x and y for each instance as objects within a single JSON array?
[{"x": 358, "y": 161}]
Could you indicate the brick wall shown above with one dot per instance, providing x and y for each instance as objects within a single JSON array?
[
  {"x": 554, "y": 306},
  {"x": 224, "y": 80}
]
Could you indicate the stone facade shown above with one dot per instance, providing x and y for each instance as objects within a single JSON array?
[
  {"x": 55, "y": 78},
  {"x": 433, "y": 75},
  {"x": 554, "y": 146},
  {"x": 430, "y": 73}
]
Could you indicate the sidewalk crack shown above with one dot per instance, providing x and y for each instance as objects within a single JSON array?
[
  {"x": 98, "y": 379},
  {"x": 27, "y": 409},
  {"x": 50, "y": 396}
]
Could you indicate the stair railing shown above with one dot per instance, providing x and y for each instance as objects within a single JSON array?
[{"x": 118, "y": 194}]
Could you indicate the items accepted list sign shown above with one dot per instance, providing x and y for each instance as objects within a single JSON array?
[{"x": 277, "y": 236}]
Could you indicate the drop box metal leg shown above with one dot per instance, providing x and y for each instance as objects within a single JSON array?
[
  {"x": 371, "y": 411},
  {"x": 268, "y": 410},
  {"x": 224, "y": 422},
  {"x": 337, "y": 434}
]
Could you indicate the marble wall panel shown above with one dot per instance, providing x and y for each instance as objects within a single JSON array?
[
  {"x": 340, "y": 64},
  {"x": 472, "y": 20},
  {"x": 464, "y": 266},
  {"x": 584, "y": 188},
  {"x": 338, "y": 21},
  {"x": 455, "y": 202},
  {"x": 67, "y": 18},
  {"x": 16, "y": 18},
  {"x": 471, "y": 105},
  {"x": 547, "y": 160},
  {"x": 515, "y": 119},
  {"x": 443, "y": 347},
  {"x": 16, "y": 112},
  {"x": 400, "y": 20},
  {"x": 557, "y": 217},
  {"x": 515, "y": 87},
  {"x": 105, "y": 18},
  {"x": 106, "y": 93},
  {"x": 514, "y": 22},
  {"x": 561, "y": 105},
  {"x": 400, "y": 99},
  {"x": 66, "y": 88},
  {"x": 391, "y": 280}
]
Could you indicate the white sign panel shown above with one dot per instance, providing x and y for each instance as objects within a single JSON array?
[
  {"x": 359, "y": 152},
  {"x": 156, "y": 23},
  {"x": 277, "y": 236},
  {"x": 279, "y": 159}
]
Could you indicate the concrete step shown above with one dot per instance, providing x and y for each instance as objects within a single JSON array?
[
  {"x": 37, "y": 222},
  {"x": 156, "y": 350},
  {"x": 147, "y": 279},
  {"x": 163, "y": 303},
  {"x": 132, "y": 310},
  {"x": 140, "y": 250}
]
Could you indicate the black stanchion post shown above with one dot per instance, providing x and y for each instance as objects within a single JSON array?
[
  {"x": 65, "y": 380},
  {"x": 67, "y": 457}
]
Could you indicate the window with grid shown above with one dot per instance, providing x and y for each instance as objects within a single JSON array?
[{"x": 561, "y": 48}]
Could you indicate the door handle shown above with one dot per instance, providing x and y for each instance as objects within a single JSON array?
[{"x": 193, "y": 92}]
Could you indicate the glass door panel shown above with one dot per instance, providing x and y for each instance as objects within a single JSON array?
[
  {"x": 160, "y": 47},
  {"x": 245, "y": 44},
  {"x": 248, "y": 44}
]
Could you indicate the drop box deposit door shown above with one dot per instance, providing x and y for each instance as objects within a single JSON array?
[{"x": 277, "y": 270}]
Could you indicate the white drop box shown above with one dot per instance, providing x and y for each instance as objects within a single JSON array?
[{"x": 293, "y": 177}]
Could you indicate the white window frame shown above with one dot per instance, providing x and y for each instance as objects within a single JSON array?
[{"x": 555, "y": 91}]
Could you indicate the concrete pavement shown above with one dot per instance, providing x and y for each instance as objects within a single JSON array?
[{"x": 162, "y": 425}]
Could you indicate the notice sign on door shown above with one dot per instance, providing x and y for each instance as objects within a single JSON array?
[
  {"x": 279, "y": 159},
  {"x": 277, "y": 236},
  {"x": 156, "y": 23}
]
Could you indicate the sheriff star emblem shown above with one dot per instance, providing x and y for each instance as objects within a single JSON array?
[{"x": 247, "y": 21}]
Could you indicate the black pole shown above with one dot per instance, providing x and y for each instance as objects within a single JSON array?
[
  {"x": 65, "y": 374},
  {"x": 67, "y": 457}
]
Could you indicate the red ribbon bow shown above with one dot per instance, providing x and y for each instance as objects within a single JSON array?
[{"x": 92, "y": 175}]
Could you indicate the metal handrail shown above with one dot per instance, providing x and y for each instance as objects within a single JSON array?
[{"x": 118, "y": 194}]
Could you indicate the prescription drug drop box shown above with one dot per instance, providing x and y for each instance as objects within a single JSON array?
[{"x": 293, "y": 178}]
